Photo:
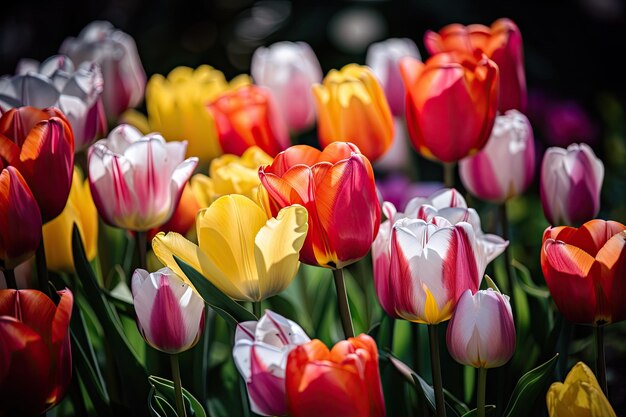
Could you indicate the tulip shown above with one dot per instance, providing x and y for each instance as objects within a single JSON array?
[
  {"x": 116, "y": 53},
  {"x": 136, "y": 181},
  {"x": 502, "y": 43},
  {"x": 584, "y": 269},
  {"x": 170, "y": 314},
  {"x": 57, "y": 83},
  {"x": 505, "y": 167},
  {"x": 35, "y": 355},
  {"x": 384, "y": 58},
  {"x": 40, "y": 144},
  {"x": 242, "y": 252},
  {"x": 260, "y": 353},
  {"x": 481, "y": 332},
  {"x": 341, "y": 382},
  {"x": 20, "y": 220},
  {"x": 231, "y": 174},
  {"x": 248, "y": 116},
  {"x": 451, "y": 104},
  {"x": 184, "y": 217},
  {"x": 80, "y": 211},
  {"x": 328, "y": 184},
  {"x": 571, "y": 180},
  {"x": 399, "y": 190},
  {"x": 579, "y": 396},
  {"x": 176, "y": 107},
  {"x": 288, "y": 70},
  {"x": 352, "y": 107}
]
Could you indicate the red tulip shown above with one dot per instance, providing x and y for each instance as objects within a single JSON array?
[
  {"x": 342, "y": 382},
  {"x": 40, "y": 144},
  {"x": 585, "y": 270},
  {"x": 35, "y": 355},
  {"x": 337, "y": 188},
  {"x": 451, "y": 103}
]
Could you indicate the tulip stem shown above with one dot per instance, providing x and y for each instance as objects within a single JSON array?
[
  {"x": 342, "y": 300},
  {"x": 42, "y": 268},
  {"x": 436, "y": 368},
  {"x": 178, "y": 387},
  {"x": 448, "y": 174},
  {"x": 480, "y": 395},
  {"x": 9, "y": 277},
  {"x": 598, "y": 332},
  {"x": 257, "y": 308},
  {"x": 142, "y": 242}
]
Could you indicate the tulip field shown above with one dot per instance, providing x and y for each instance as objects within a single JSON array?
[{"x": 411, "y": 234}]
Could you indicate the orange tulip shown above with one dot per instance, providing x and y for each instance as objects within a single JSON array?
[{"x": 337, "y": 188}]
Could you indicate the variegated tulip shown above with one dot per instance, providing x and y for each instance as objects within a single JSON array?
[
  {"x": 260, "y": 353},
  {"x": 242, "y": 252},
  {"x": 136, "y": 181}
]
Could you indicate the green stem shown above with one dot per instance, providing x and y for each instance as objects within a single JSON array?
[
  {"x": 504, "y": 225},
  {"x": 42, "y": 268},
  {"x": 9, "y": 277},
  {"x": 142, "y": 242},
  {"x": 257, "y": 308},
  {"x": 598, "y": 332},
  {"x": 342, "y": 300},
  {"x": 448, "y": 174},
  {"x": 436, "y": 367},
  {"x": 178, "y": 387},
  {"x": 480, "y": 395}
]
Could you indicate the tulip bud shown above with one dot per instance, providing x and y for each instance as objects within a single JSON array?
[
  {"x": 482, "y": 333},
  {"x": 288, "y": 70},
  {"x": 505, "y": 167},
  {"x": 571, "y": 180},
  {"x": 260, "y": 353},
  {"x": 170, "y": 314}
]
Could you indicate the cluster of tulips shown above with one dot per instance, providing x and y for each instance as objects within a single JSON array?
[{"x": 228, "y": 241}]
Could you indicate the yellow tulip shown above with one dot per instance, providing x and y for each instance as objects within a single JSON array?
[
  {"x": 57, "y": 233},
  {"x": 176, "y": 107},
  {"x": 352, "y": 107},
  {"x": 242, "y": 252},
  {"x": 231, "y": 174},
  {"x": 579, "y": 396}
]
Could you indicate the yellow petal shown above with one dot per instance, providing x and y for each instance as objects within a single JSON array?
[
  {"x": 431, "y": 309},
  {"x": 277, "y": 249},
  {"x": 203, "y": 189}
]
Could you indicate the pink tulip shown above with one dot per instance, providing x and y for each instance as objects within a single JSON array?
[
  {"x": 136, "y": 181},
  {"x": 260, "y": 353},
  {"x": 288, "y": 70},
  {"x": 170, "y": 314},
  {"x": 504, "y": 168},
  {"x": 481, "y": 333},
  {"x": 571, "y": 180}
]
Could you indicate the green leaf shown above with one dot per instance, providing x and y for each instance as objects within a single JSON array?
[
  {"x": 458, "y": 405},
  {"x": 90, "y": 375},
  {"x": 165, "y": 388},
  {"x": 158, "y": 406},
  {"x": 490, "y": 410},
  {"x": 528, "y": 388},
  {"x": 528, "y": 284},
  {"x": 225, "y": 306}
]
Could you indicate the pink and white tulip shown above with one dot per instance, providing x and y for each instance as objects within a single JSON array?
[
  {"x": 116, "y": 52},
  {"x": 505, "y": 167},
  {"x": 170, "y": 315},
  {"x": 571, "y": 180},
  {"x": 136, "y": 181},
  {"x": 482, "y": 333},
  {"x": 260, "y": 353},
  {"x": 288, "y": 70}
]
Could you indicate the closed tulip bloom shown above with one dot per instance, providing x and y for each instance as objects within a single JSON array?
[
  {"x": 571, "y": 180},
  {"x": 57, "y": 83},
  {"x": 248, "y": 116},
  {"x": 584, "y": 269},
  {"x": 260, "y": 353},
  {"x": 242, "y": 252},
  {"x": 328, "y": 184},
  {"x": 384, "y": 59},
  {"x": 288, "y": 70},
  {"x": 170, "y": 314},
  {"x": 505, "y": 167},
  {"x": 176, "y": 107},
  {"x": 80, "y": 211},
  {"x": 35, "y": 351},
  {"x": 341, "y": 382},
  {"x": 579, "y": 396},
  {"x": 40, "y": 144},
  {"x": 20, "y": 219},
  {"x": 136, "y": 181},
  {"x": 351, "y": 107},
  {"x": 451, "y": 103},
  {"x": 502, "y": 43},
  {"x": 116, "y": 53},
  {"x": 481, "y": 332}
]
